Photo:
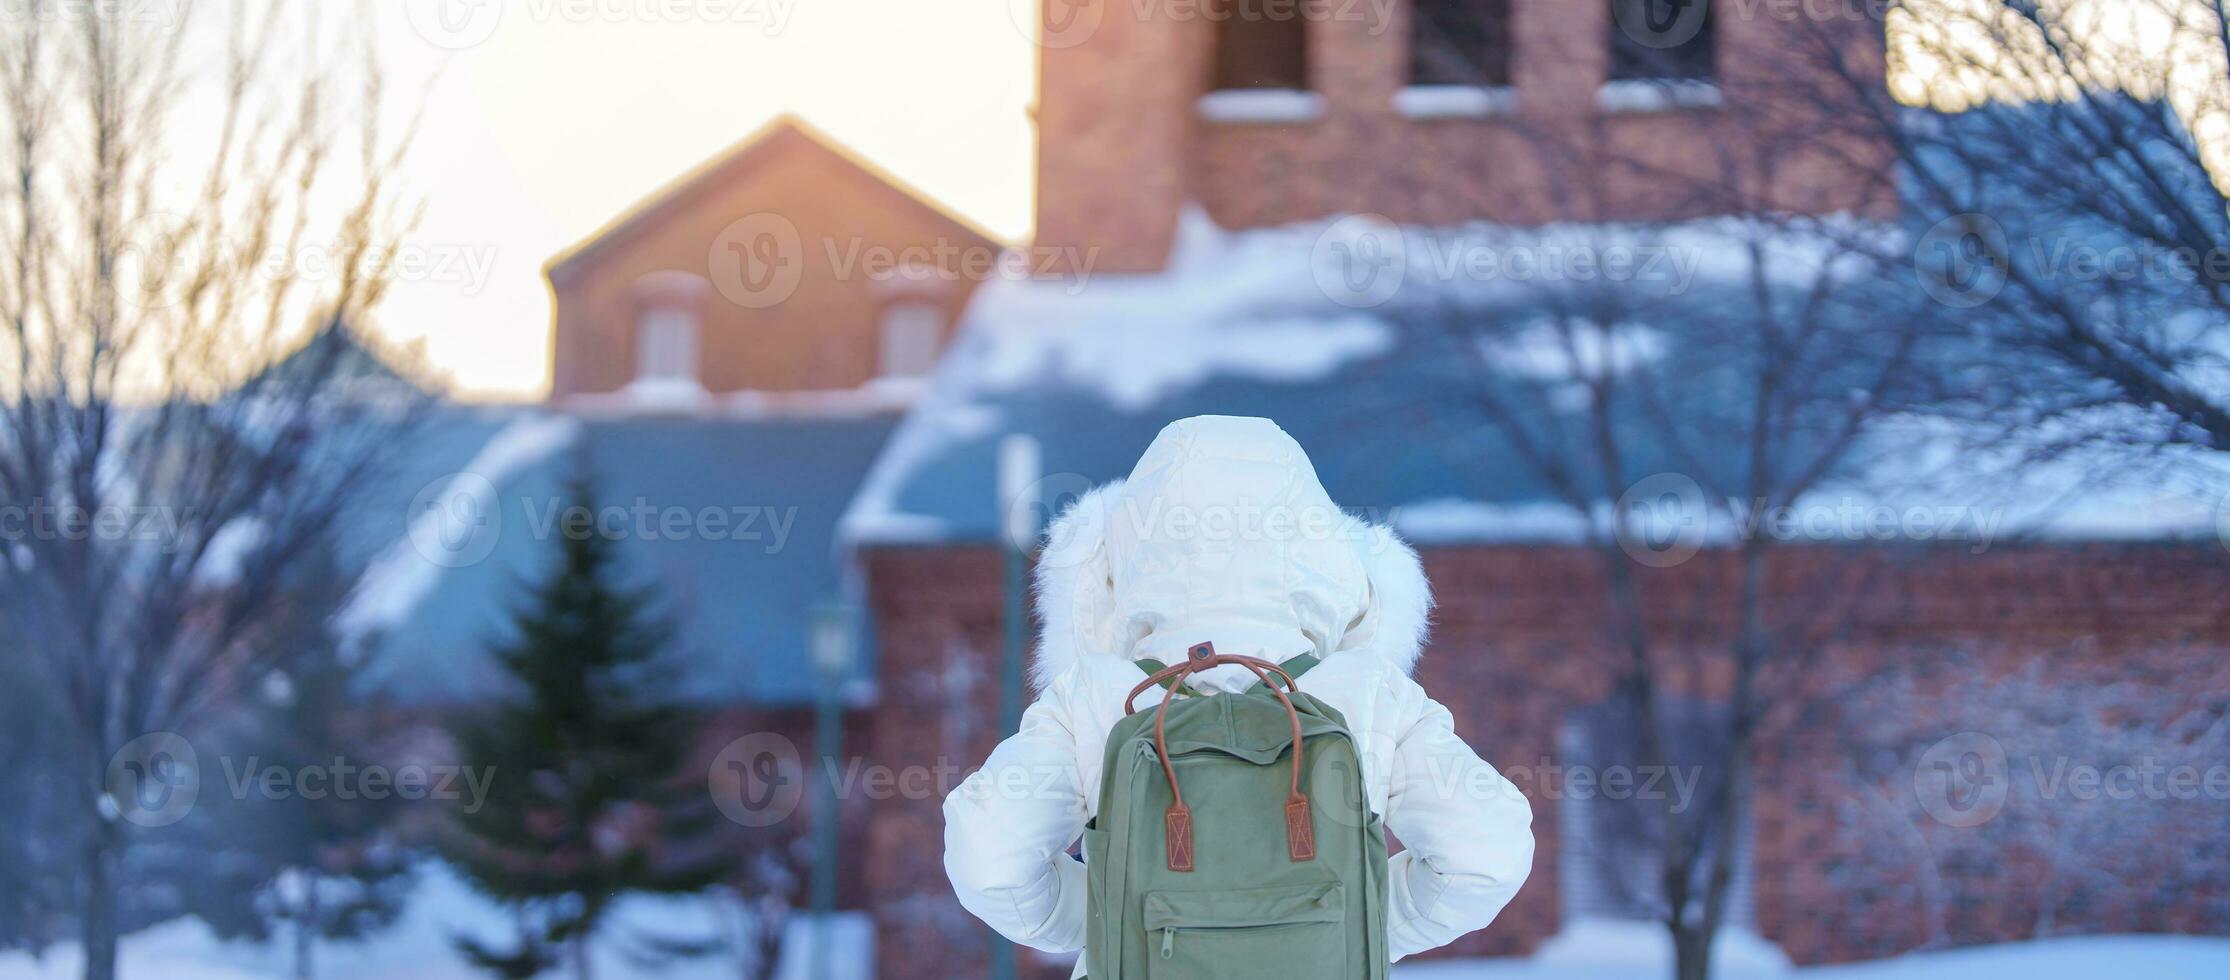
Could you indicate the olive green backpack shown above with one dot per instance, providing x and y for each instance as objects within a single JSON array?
[{"x": 1233, "y": 838}]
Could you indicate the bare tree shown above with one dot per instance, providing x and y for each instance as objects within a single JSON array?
[
  {"x": 174, "y": 442},
  {"x": 1680, "y": 390},
  {"x": 1677, "y": 427},
  {"x": 2060, "y": 161}
]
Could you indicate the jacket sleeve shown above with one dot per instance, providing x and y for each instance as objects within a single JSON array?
[
  {"x": 1008, "y": 828},
  {"x": 1467, "y": 832}
]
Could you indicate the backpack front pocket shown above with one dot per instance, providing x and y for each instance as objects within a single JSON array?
[{"x": 1292, "y": 932}]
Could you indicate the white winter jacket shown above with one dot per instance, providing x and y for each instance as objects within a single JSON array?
[{"x": 1222, "y": 533}]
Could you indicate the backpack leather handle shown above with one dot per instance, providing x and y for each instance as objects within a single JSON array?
[
  {"x": 1191, "y": 665},
  {"x": 1300, "y": 827}
]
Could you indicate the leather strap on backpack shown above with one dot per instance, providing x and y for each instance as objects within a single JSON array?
[{"x": 1300, "y": 827}]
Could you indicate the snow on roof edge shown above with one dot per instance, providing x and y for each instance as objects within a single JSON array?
[
  {"x": 403, "y": 575},
  {"x": 1237, "y": 285}
]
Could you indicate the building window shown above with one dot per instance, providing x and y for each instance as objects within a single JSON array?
[
  {"x": 910, "y": 334},
  {"x": 1260, "y": 45},
  {"x": 1662, "y": 40},
  {"x": 1460, "y": 42},
  {"x": 1611, "y": 858},
  {"x": 666, "y": 345}
]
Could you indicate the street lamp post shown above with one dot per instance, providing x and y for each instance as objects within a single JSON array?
[
  {"x": 1018, "y": 510},
  {"x": 830, "y": 632},
  {"x": 1018, "y": 503}
]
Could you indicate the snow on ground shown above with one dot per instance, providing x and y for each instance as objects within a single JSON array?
[
  {"x": 2084, "y": 958},
  {"x": 1630, "y": 947},
  {"x": 421, "y": 946}
]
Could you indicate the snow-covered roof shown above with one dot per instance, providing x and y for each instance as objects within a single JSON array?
[
  {"x": 730, "y": 520},
  {"x": 1274, "y": 322}
]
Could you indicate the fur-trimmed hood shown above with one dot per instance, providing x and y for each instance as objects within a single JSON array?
[{"x": 1222, "y": 533}]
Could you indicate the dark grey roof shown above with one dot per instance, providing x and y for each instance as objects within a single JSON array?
[
  {"x": 729, "y": 520},
  {"x": 1375, "y": 439},
  {"x": 340, "y": 356},
  {"x": 1386, "y": 396}
]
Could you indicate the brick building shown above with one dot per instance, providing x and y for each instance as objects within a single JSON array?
[
  {"x": 1211, "y": 159},
  {"x": 1435, "y": 113},
  {"x": 786, "y": 268},
  {"x": 728, "y": 357}
]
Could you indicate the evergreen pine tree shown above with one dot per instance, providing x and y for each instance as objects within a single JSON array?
[{"x": 588, "y": 799}]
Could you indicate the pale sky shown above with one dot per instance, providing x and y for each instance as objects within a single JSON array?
[
  {"x": 550, "y": 117},
  {"x": 546, "y": 119}
]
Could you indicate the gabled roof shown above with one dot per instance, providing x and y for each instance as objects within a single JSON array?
[
  {"x": 730, "y": 522},
  {"x": 784, "y": 138},
  {"x": 341, "y": 355}
]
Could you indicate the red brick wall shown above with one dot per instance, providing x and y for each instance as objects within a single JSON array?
[
  {"x": 1520, "y": 642},
  {"x": 937, "y": 646},
  {"x": 1112, "y": 116},
  {"x": 1121, "y": 147}
]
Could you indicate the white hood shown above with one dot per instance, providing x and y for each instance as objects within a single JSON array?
[{"x": 1223, "y": 534}]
